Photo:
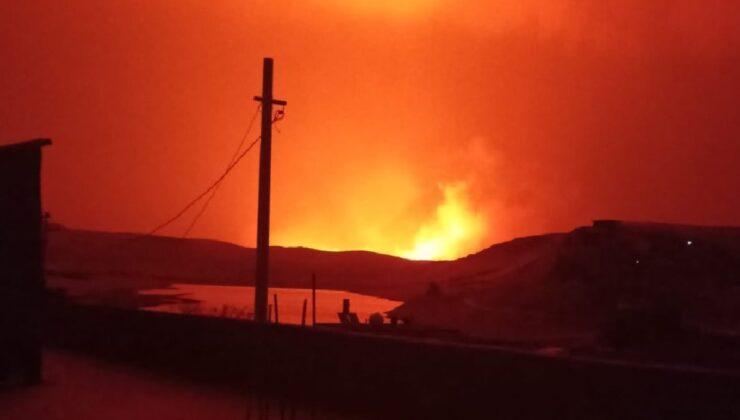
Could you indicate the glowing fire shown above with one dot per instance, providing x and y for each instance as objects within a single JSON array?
[
  {"x": 362, "y": 221},
  {"x": 455, "y": 231}
]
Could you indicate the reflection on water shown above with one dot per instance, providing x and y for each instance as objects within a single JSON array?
[{"x": 238, "y": 302}]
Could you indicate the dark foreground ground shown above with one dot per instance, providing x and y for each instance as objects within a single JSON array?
[
  {"x": 80, "y": 387},
  {"x": 384, "y": 376}
]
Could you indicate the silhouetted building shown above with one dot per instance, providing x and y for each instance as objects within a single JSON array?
[{"x": 21, "y": 261}]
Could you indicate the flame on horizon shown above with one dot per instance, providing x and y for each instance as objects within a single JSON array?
[
  {"x": 455, "y": 231},
  {"x": 454, "y": 228}
]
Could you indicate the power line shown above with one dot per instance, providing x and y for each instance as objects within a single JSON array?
[
  {"x": 204, "y": 193},
  {"x": 278, "y": 116},
  {"x": 244, "y": 137},
  {"x": 231, "y": 161}
]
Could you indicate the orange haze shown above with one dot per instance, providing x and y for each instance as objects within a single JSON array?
[{"x": 427, "y": 129}]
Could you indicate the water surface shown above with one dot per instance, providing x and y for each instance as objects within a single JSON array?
[{"x": 238, "y": 302}]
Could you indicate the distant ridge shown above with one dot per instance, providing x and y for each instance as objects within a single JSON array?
[
  {"x": 176, "y": 260},
  {"x": 576, "y": 283}
]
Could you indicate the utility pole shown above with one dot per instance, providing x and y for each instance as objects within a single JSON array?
[{"x": 263, "y": 206}]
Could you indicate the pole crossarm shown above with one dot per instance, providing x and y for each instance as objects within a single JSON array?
[{"x": 273, "y": 101}]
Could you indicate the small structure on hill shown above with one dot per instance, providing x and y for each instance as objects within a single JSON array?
[{"x": 21, "y": 262}]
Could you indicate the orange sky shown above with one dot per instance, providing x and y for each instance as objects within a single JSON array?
[{"x": 536, "y": 115}]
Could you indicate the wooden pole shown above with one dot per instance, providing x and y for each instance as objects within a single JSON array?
[
  {"x": 263, "y": 205},
  {"x": 275, "y": 304},
  {"x": 303, "y": 315},
  {"x": 313, "y": 299}
]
